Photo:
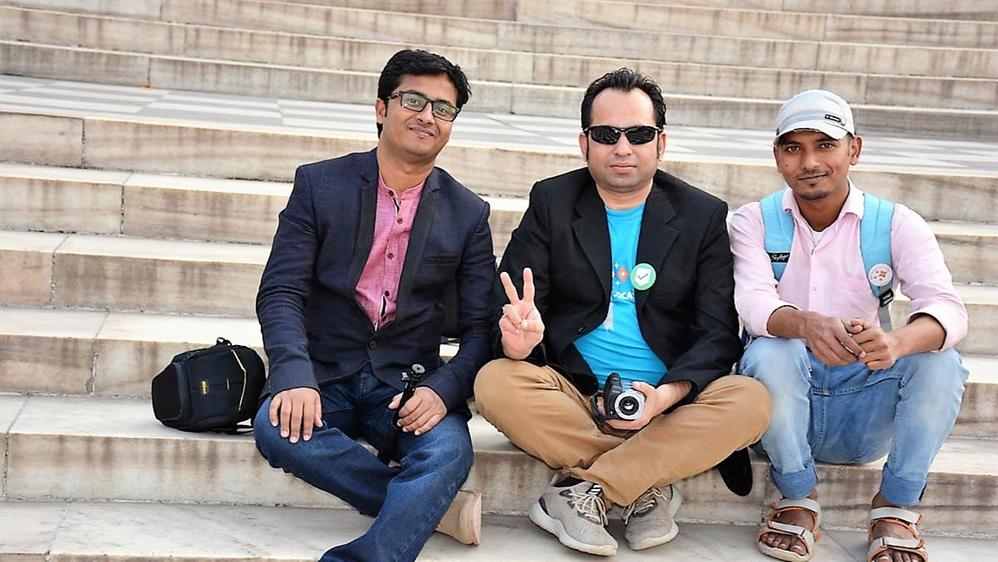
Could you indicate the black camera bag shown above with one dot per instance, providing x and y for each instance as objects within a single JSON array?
[{"x": 211, "y": 389}]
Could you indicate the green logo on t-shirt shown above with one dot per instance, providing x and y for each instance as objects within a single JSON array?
[{"x": 643, "y": 276}]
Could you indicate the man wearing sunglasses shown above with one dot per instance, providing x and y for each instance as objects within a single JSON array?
[
  {"x": 619, "y": 267},
  {"x": 353, "y": 296}
]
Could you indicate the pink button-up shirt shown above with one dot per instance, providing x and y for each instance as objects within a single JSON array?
[
  {"x": 379, "y": 282},
  {"x": 828, "y": 276}
]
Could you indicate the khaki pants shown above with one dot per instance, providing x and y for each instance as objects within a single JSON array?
[{"x": 543, "y": 413}]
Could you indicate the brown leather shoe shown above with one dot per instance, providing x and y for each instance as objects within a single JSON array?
[{"x": 463, "y": 520}]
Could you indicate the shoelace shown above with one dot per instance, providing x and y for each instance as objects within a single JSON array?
[
  {"x": 645, "y": 503},
  {"x": 589, "y": 504}
]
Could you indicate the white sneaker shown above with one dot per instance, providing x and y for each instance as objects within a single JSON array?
[
  {"x": 651, "y": 520},
  {"x": 577, "y": 516}
]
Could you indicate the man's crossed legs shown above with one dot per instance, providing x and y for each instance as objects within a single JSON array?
[
  {"x": 407, "y": 501},
  {"x": 541, "y": 412},
  {"x": 848, "y": 415}
]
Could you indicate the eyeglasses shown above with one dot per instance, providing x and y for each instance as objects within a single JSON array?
[
  {"x": 638, "y": 134},
  {"x": 415, "y": 101}
]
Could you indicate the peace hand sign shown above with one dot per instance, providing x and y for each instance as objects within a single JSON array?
[{"x": 521, "y": 325}]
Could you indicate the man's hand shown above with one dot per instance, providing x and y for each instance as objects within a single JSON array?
[
  {"x": 657, "y": 400},
  {"x": 521, "y": 325},
  {"x": 297, "y": 410},
  {"x": 421, "y": 412},
  {"x": 880, "y": 348},
  {"x": 829, "y": 340}
]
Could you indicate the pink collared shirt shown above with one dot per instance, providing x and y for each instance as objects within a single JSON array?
[
  {"x": 379, "y": 282},
  {"x": 828, "y": 276}
]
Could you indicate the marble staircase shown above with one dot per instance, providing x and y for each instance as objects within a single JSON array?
[{"x": 149, "y": 145}]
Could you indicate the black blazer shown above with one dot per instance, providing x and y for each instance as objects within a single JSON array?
[
  {"x": 687, "y": 317},
  {"x": 306, "y": 303}
]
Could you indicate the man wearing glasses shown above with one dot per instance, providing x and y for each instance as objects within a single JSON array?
[
  {"x": 620, "y": 268},
  {"x": 352, "y": 296}
]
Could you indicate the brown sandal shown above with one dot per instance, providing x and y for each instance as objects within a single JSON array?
[
  {"x": 896, "y": 516},
  {"x": 806, "y": 536}
]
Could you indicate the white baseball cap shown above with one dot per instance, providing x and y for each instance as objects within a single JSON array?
[{"x": 816, "y": 110}]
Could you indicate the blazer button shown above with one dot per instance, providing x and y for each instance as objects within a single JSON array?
[
  {"x": 581, "y": 330},
  {"x": 372, "y": 344}
]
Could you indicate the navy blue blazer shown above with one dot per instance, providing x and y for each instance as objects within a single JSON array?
[{"x": 306, "y": 303}]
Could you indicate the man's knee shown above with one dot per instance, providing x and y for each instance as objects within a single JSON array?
[
  {"x": 934, "y": 377},
  {"x": 779, "y": 363},
  {"x": 268, "y": 439},
  {"x": 496, "y": 385},
  {"x": 937, "y": 371},
  {"x": 445, "y": 449},
  {"x": 754, "y": 404}
]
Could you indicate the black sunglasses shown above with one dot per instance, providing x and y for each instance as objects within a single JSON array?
[
  {"x": 638, "y": 134},
  {"x": 415, "y": 101}
]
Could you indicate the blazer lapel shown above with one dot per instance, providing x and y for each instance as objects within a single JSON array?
[
  {"x": 365, "y": 225},
  {"x": 418, "y": 236},
  {"x": 593, "y": 233},
  {"x": 656, "y": 236}
]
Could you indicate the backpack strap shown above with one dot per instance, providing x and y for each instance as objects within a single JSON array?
[
  {"x": 875, "y": 247},
  {"x": 874, "y": 244},
  {"x": 779, "y": 228}
]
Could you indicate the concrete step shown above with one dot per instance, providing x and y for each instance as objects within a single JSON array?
[
  {"x": 678, "y": 77},
  {"x": 666, "y": 43},
  {"x": 86, "y": 531},
  {"x": 144, "y": 532},
  {"x": 979, "y": 10},
  {"x": 76, "y": 352},
  {"x": 59, "y": 351},
  {"x": 313, "y": 35},
  {"x": 716, "y": 19},
  {"x": 133, "y": 274},
  {"x": 73, "y": 200},
  {"x": 217, "y": 210},
  {"x": 209, "y": 75},
  {"x": 493, "y": 154},
  {"x": 210, "y": 278},
  {"x": 826, "y": 26},
  {"x": 56, "y": 445}
]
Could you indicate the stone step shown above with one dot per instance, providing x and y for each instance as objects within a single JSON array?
[
  {"x": 76, "y": 352},
  {"x": 218, "y": 210},
  {"x": 664, "y": 43},
  {"x": 831, "y": 24},
  {"x": 221, "y": 76},
  {"x": 146, "y": 532},
  {"x": 210, "y": 278},
  {"x": 978, "y": 10},
  {"x": 859, "y": 85},
  {"x": 88, "y": 531},
  {"x": 826, "y": 26},
  {"x": 54, "y": 446},
  {"x": 133, "y": 274},
  {"x": 735, "y": 165}
]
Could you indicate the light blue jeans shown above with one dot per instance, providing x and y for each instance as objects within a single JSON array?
[
  {"x": 406, "y": 501},
  {"x": 850, "y": 414}
]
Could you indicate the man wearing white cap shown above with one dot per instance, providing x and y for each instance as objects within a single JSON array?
[{"x": 815, "y": 268}]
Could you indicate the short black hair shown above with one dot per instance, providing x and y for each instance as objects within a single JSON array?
[
  {"x": 417, "y": 62},
  {"x": 623, "y": 79}
]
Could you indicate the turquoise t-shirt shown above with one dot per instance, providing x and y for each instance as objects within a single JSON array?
[{"x": 617, "y": 345}]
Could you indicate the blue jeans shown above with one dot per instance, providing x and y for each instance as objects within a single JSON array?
[
  {"x": 406, "y": 501},
  {"x": 850, "y": 414}
]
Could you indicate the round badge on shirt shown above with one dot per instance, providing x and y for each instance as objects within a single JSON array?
[
  {"x": 880, "y": 275},
  {"x": 643, "y": 276}
]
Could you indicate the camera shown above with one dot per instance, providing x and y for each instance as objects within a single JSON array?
[{"x": 619, "y": 403}]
